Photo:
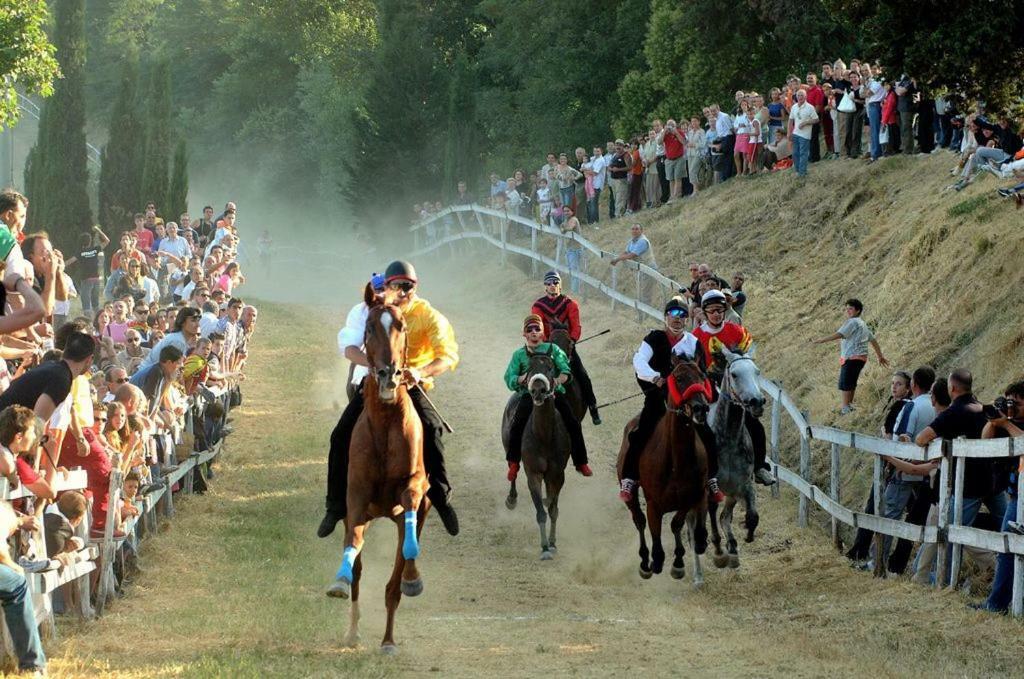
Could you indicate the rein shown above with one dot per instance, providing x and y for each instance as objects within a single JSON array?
[{"x": 677, "y": 397}]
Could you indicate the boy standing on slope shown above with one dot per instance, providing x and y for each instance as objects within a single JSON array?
[{"x": 854, "y": 337}]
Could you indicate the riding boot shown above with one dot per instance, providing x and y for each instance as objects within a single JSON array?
[
  {"x": 653, "y": 411},
  {"x": 580, "y": 374},
  {"x": 762, "y": 470},
  {"x": 433, "y": 460},
  {"x": 516, "y": 429},
  {"x": 337, "y": 465},
  {"x": 707, "y": 437},
  {"x": 577, "y": 446}
]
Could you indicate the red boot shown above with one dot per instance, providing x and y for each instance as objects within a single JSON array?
[{"x": 585, "y": 470}]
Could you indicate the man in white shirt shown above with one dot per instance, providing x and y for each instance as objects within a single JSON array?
[
  {"x": 599, "y": 169},
  {"x": 873, "y": 94},
  {"x": 725, "y": 143},
  {"x": 802, "y": 118}
]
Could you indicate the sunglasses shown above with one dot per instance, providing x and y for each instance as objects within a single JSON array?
[
  {"x": 677, "y": 313},
  {"x": 714, "y": 310},
  {"x": 404, "y": 286},
  {"x": 533, "y": 328},
  {"x": 120, "y": 380}
]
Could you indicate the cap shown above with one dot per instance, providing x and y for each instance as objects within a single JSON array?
[
  {"x": 400, "y": 271},
  {"x": 377, "y": 282},
  {"x": 676, "y": 303},
  {"x": 552, "y": 277},
  {"x": 533, "y": 319},
  {"x": 713, "y": 297}
]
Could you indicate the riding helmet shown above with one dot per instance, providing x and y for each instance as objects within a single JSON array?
[
  {"x": 675, "y": 303},
  {"x": 552, "y": 277},
  {"x": 377, "y": 282},
  {"x": 713, "y": 297},
  {"x": 533, "y": 319},
  {"x": 399, "y": 270}
]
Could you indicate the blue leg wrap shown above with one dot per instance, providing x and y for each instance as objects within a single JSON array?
[
  {"x": 348, "y": 559},
  {"x": 411, "y": 546}
]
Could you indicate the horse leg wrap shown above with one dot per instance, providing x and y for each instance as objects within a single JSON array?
[
  {"x": 348, "y": 559},
  {"x": 410, "y": 546}
]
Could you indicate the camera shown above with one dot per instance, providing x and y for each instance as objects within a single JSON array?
[{"x": 1004, "y": 403}]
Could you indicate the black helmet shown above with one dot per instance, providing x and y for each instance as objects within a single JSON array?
[
  {"x": 399, "y": 270},
  {"x": 676, "y": 303}
]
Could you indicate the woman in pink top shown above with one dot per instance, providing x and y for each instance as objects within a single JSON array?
[
  {"x": 118, "y": 324},
  {"x": 231, "y": 277}
]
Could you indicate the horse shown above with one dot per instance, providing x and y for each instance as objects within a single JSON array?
[
  {"x": 740, "y": 398},
  {"x": 674, "y": 474},
  {"x": 545, "y": 448},
  {"x": 386, "y": 474},
  {"x": 559, "y": 336}
]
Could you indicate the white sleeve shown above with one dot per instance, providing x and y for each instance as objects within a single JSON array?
[
  {"x": 642, "y": 363},
  {"x": 354, "y": 332}
]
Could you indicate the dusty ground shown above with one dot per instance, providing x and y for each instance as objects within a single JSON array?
[{"x": 235, "y": 586}]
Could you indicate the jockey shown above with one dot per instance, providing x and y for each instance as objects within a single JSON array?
[
  {"x": 714, "y": 334},
  {"x": 515, "y": 379},
  {"x": 432, "y": 350},
  {"x": 652, "y": 363},
  {"x": 554, "y": 306}
]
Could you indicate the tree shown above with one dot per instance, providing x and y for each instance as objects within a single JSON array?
[
  {"x": 158, "y": 137},
  {"x": 58, "y": 171},
  {"x": 177, "y": 194},
  {"x": 462, "y": 137},
  {"x": 120, "y": 189},
  {"x": 27, "y": 62}
]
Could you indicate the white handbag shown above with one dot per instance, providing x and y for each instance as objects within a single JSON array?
[{"x": 847, "y": 104}]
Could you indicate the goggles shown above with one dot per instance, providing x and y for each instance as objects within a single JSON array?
[
  {"x": 677, "y": 313},
  {"x": 404, "y": 286},
  {"x": 533, "y": 328}
]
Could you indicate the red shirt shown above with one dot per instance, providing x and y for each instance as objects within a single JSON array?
[
  {"x": 145, "y": 239},
  {"x": 673, "y": 147},
  {"x": 732, "y": 336},
  {"x": 26, "y": 473},
  {"x": 816, "y": 97},
  {"x": 562, "y": 309}
]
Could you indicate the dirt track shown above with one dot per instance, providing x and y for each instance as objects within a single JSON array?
[{"x": 253, "y": 602}]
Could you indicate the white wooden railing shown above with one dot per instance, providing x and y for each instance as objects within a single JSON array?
[{"x": 475, "y": 222}]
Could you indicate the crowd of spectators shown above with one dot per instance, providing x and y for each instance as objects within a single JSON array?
[{"x": 100, "y": 389}]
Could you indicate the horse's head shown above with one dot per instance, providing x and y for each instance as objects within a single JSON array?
[
  {"x": 386, "y": 348},
  {"x": 540, "y": 377},
  {"x": 559, "y": 336},
  {"x": 740, "y": 382},
  {"x": 689, "y": 390}
]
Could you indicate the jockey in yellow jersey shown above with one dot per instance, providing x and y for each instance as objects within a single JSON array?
[{"x": 432, "y": 350}]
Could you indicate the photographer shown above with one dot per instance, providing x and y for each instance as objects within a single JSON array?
[{"x": 1008, "y": 421}]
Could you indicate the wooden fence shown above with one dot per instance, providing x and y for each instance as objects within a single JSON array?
[{"x": 496, "y": 227}]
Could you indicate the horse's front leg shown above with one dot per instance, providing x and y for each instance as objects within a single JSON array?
[
  {"x": 409, "y": 541},
  {"x": 513, "y": 496},
  {"x": 730, "y": 538},
  {"x": 720, "y": 559},
  {"x": 533, "y": 482},
  {"x": 393, "y": 595},
  {"x": 694, "y": 519},
  {"x": 355, "y": 527},
  {"x": 654, "y": 517},
  {"x": 554, "y": 489},
  {"x": 751, "y": 518},
  {"x": 352, "y": 636},
  {"x": 678, "y": 564},
  {"x": 641, "y": 527}
]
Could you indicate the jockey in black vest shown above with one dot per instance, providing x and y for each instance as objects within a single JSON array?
[
  {"x": 554, "y": 306},
  {"x": 653, "y": 364}
]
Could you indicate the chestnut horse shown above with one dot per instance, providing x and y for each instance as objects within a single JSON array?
[
  {"x": 674, "y": 474},
  {"x": 386, "y": 476}
]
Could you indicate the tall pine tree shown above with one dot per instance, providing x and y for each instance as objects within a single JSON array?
[
  {"x": 158, "y": 138},
  {"x": 58, "y": 175},
  {"x": 121, "y": 172},
  {"x": 461, "y": 143},
  {"x": 177, "y": 194}
]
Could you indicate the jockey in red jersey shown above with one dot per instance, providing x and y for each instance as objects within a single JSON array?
[
  {"x": 714, "y": 334},
  {"x": 559, "y": 308}
]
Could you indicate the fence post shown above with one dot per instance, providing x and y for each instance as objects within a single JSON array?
[
  {"x": 805, "y": 474},
  {"x": 945, "y": 483},
  {"x": 1017, "y": 600},
  {"x": 958, "y": 519},
  {"x": 615, "y": 280},
  {"x": 878, "y": 539},
  {"x": 503, "y": 227},
  {"x": 776, "y": 422},
  {"x": 533, "y": 249},
  {"x": 834, "y": 492}
]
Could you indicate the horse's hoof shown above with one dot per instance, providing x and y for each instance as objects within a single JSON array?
[
  {"x": 546, "y": 555},
  {"x": 721, "y": 560},
  {"x": 412, "y": 587},
  {"x": 510, "y": 502},
  {"x": 646, "y": 575},
  {"x": 340, "y": 589},
  {"x": 698, "y": 585},
  {"x": 351, "y": 640},
  {"x": 656, "y": 568},
  {"x": 749, "y": 538},
  {"x": 734, "y": 561},
  {"x": 553, "y": 549},
  {"x": 677, "y": 573},
  {"x": 388, "y": 649}
]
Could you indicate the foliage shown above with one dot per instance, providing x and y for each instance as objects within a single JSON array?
[
  {"x": 177, "y": 193},
  {"x": 120, "y": 191},
  {"x": 158, "y": 139},
  {"x": 27, "y": 57},
  {"x": 58, "y": 176}
]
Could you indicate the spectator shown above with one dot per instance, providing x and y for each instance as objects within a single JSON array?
[
  {"x": 854, "y": 336},
  {"x": 43, "y": 388},
  {"x": 88, "y": 260},
  {"x": 462, "y": 195},
  {"x": 674, "y": 141},
  {"x": 17, "y": 603},
  {"x": 696, "y": 141},
  {"x": 906, "y": 91},
  {"x": 59, "y": 523},
  {"x": 802, "y": 118},
  {"x": 184, "y": 335},
  {"x": 18, "y": 438},
  {"x": 638, "y": 249},
  {"x": 739, "y": 297},
  {"x": 873, "y": 93},
  {"x": 618, "y": 177},
  {"x": 573, "y": 249}
]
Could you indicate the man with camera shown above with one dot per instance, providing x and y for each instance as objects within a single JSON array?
[{"x": 1005, "y": 419}]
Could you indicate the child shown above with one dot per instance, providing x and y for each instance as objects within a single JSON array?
[
  {"x": 753, "y": 140},
  {"x": 515, "y": 380},
  {"x": 544, "y": 200}
]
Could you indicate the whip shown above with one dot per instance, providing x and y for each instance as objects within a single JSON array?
[
  {"x": 444, "y": 422},
  {"x": 611, "y": 403},
  {"x": 603, "y": 332}
]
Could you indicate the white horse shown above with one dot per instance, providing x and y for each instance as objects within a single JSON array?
[{"x": 739, "y": 402}]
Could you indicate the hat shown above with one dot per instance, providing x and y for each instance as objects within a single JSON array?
[
  {"x": 713, "y": 297},
  {"x": 533, "y": 319},
  {"x": 676, "y": 303},
  {"x": 552, "y": 277},
  {"x": 619, "y": 141},
  {"x": 377, "y": 282},
  {"x": 400, "y": 271}
]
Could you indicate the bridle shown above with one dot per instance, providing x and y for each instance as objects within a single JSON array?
[
  {"x": 390, "y": 368},
  {"x": 550, "y": 392},
  {"x": 683, "y": 396},
  {"x": 728, "y": 390}
]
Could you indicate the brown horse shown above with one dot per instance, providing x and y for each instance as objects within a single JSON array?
[
  {"x": 386, "y": 476},
  {"x": 673, "y": 474},
  {"x": 560, "y": 338}
]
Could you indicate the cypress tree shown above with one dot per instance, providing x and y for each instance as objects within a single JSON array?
[
  {"x": 57, "y": 173},
  {"x": 121, "y": 170},
  {"x": 461, "y": 152},
  {"x": 158, "y": 138},
  {"x": 177, "y": 194}
]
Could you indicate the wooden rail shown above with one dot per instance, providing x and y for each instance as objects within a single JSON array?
[{"x": 493, "y": 227}]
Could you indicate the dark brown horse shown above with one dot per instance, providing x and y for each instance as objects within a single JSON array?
[
  {"x": 386, "y": 476},
  {"x": 545, "y": 448},
  {"x": 573, "y": 392},
  {"x": 674, "y": 474}
]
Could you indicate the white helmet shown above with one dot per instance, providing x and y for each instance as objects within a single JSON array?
[{"x": 713, "y": 297}]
